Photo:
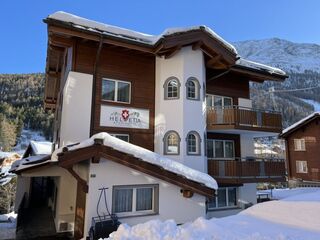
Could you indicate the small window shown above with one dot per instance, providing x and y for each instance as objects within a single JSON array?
[
  {"x": 193, "y": 89},
  {"x": 123, "y": 137},
  {"x": 227, "y": 198},
  {"x": 299, "y": 144},
  {"x": 172, "y": 143},
  {"x": 193, "y": 143},
  {"x": 172, "y": 88},
  {"x": 301, "y": 167},
  {"x": 116, "y": 91},
  {"x": 216, "y": 101},
  {"x": 220, "y": 149},
  {"x": 135, "y": 200}
]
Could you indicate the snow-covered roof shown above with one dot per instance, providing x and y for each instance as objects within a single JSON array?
[
  {"x": 145, "y": 155},
  {"x": 83, "y": 23},
  {"x": 297, "y": 124},
  {"x": 31, "y": 161},
  {"x": 41, "y": 147},
  {"x": 258, "y": 66}
]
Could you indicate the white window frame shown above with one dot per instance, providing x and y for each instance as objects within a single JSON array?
[
  {"x": 134, "y": 212},
  {"x": 165, "y": 143},
  {"x": 224, "y": 150},
  {"x": 227, "y": 200},
  {"x": 299, "y": 144},
  {"x": 196, "y": 88},
  {"x": 198, "y": 143},
  {"x": 166, "y": 88},
  {"x": 301, "y": 166},
  {"x": 223, "y": 99},
  {"x": 116, "y": 90},
  {"x": 121, "y": 134}
]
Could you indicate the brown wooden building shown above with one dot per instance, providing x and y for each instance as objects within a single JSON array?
[{"x": 303, "y": 150}]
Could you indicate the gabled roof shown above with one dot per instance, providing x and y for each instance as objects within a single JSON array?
[
  {"x": 127, "y": 154},
  {"x": 299, "y": 124}
]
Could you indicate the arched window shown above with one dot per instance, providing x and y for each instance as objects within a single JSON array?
[
  {"x": 193, "y": 89},
  {"x": 172, "y": 88},
  {"x": 193, "y": 143},
  {"x": 171, "y": 143}
]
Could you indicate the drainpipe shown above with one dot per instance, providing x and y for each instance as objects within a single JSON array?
[{"x": 94, "y": 84}]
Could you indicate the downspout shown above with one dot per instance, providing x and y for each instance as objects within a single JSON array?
[{"x": 94, "y": 84}]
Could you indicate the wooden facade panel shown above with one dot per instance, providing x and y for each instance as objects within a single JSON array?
[
  {"x": 127, "y": 65},
  {"x": 311, "y": 134},
  {"x": 231, "y": 85}
]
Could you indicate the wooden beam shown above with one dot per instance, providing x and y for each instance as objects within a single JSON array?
[
  {"x": 197, "y": 45},
  {"x": 172, "y": 52},
  {"x": 213, "y": 61},
  {"x": 82, "y": 182}
]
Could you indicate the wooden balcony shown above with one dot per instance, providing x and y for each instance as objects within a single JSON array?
[
  {"x": 247, "y": 171},
  {"x": 236, "y": 117}
]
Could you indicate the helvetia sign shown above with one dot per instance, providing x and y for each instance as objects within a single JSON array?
[{"x": 123, "y": 117}]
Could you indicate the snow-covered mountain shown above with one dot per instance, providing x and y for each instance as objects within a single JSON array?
[{"x": 290, "y": 56}]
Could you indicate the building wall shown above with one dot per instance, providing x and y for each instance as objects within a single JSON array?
[
  {"x": 121, "y": 64},
  {"x": 311, "y": 134},
  {"x": 76, "y": 108},
  {"x": 181, "y": 115},
  {"x": 172, "y": 205}
]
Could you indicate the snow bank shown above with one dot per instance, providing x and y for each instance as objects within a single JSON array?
[
  {"x": 8, "y": 226},
  {"x": 147, "y": 156},
  {"x": 286, "y": 193},
  {"x": 274, "y": 220}
]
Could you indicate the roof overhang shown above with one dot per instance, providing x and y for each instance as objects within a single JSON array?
[{"x": 68, "y": 158}]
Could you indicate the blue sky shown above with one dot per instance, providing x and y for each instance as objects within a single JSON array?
[{"x": 23, "y": 35}]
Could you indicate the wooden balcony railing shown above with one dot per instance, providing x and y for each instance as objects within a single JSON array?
[
  {"x": 243, "y": 118},
  {"x": 247, "y": 170}
]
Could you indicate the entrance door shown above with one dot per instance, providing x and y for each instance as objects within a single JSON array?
[{"x": 80, "y": 213}]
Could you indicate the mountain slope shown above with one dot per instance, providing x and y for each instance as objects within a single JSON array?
[{"x": 301, "y": 61}]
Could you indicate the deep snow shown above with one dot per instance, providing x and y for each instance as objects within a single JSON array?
[{"x": 293, "y": 218}]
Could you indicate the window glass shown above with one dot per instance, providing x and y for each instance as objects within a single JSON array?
[
  {"x": 217, "y": 101},
  {"x": 219, "y": 151},
  {"x": 144, "y": 199},
  {"x": 172, "y": 88},
  {"x": 222, "y": 198},
  {"x": 227, "y": 102},
  {"x": 123, "y": 137},
  {"x": 123, "y": 200},
  {"x": 232, "y": 197},
  {"x": 229, "y": 152},
  {"x": 210, "y": 148},
  {"x": 172, "y": 143},
  {"x": 108, "y": 90},
  {"x": 299, "y": 144},
  {"x": 192, "y": 143},
  {"x": 209, "y": 100},
  {"x": 191, "y": 89},
  {"x": 123, "y": 92}
]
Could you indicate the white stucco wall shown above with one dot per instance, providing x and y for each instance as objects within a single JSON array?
[
  {"x": 247, "y": 145},
  {"x": 172, "y": 205},
  {"x": 76, "y": 108},
  {"x": 181, "y": 115}
]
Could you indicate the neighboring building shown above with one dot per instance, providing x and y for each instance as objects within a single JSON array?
[
  {"x": 184, "y": 94},
  {"x": 302, "y": 142}
]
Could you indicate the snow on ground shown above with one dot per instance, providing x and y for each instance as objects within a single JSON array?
[
  {"x": 315, "y": 104},
  {"x": 292, "y": 218},
  {"x": 284, "y": 193},
  {"x": 8, "y": 226}
]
